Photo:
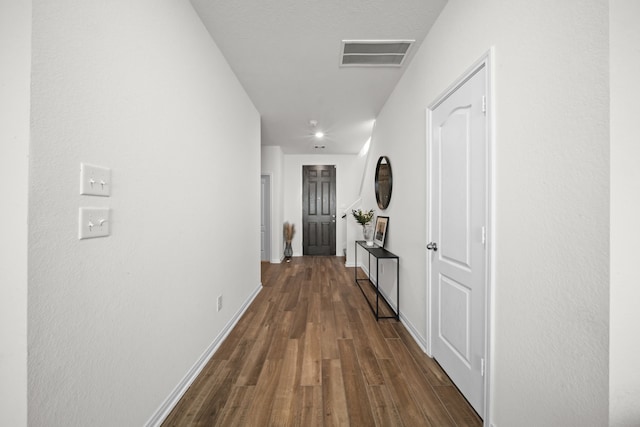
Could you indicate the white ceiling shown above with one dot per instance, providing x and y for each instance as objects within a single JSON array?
[{"x": 286, "y": 54}]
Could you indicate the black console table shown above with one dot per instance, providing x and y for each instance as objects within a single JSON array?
[{"x": 378, "y": 253}]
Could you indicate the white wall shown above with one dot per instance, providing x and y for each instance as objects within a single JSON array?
[
  {"x": 352, "y": 231},
  {"x": 550, "y": 348},
  {"x": 347, "y": 186},
  {"x": 116, "y": 323},
  {"x": 624, "y": 374},
  {"x": 15, "y": 57},
  {"x": 272, "y": 163}
]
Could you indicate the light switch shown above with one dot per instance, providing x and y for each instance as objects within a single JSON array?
[
  {"x": 94, "y": 222},
  {"x": 95, "y": 180}
]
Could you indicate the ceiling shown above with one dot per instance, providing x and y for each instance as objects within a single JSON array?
[{"x": 286, "y": 54}]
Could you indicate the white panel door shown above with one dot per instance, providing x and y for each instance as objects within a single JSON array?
[{"x": 458, "y": 211}]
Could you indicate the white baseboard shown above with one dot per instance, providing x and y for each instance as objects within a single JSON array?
[
  {"x": 172, "y": 400},
  {"x": 422, "y": 343}
]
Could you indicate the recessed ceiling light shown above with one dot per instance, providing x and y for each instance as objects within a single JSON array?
[{"x": 319, "y": 135}]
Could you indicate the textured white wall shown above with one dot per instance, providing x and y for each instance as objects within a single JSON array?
[
  {"x": 351, "y": 229},
  {"x": 272, "y": 162},
  {"x": 15, "y": 57},
  {"x": 550, "y": 346},
  {"x": 347, "y": 186},
  {"x": 624, "y": 375},
  {"x": 116, "y": 323}
]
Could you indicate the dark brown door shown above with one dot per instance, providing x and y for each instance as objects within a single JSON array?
[{"x": 319, "y": 210}]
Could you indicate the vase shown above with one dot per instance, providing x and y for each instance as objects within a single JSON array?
[
  {"x": 367, "y": 232},
  {"x": 288, "y": 251}
]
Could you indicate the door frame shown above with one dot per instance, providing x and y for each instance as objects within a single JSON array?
[
  {"x": 485, "y": 61},
  {"x": 333, "y": 251},
  {"x": 268, "y": 225}
]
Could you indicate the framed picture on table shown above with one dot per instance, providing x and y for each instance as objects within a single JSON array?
[{"x": 380, "y": 231}]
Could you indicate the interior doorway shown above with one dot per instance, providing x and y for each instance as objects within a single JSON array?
[
  {"x": 319, "y": 210},
  {"x": 459, "y": 218},
  {"x": 265, "y": 217}
]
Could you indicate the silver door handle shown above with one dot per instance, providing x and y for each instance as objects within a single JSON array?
[{"x": 433, "y": 246}]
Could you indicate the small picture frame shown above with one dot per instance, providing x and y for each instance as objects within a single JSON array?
[{"x": 380, "y": 231}]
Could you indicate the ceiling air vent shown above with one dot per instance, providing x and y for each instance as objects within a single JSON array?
[{"x": 374, "y": 53}]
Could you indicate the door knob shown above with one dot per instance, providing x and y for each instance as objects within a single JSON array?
[{"x": 433, "y": 246}]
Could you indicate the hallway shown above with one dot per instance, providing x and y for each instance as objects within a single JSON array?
[{"x": 309, "y": 352}]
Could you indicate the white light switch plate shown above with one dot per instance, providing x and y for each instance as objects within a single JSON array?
[
  {"x": 94, "y": 222},
  {"x": 95, "y": 180}
]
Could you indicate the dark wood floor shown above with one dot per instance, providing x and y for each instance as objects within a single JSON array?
[{"x": 308, "y": 352}]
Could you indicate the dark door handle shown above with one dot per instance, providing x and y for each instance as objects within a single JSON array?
[{"x": 433, "y": 246}]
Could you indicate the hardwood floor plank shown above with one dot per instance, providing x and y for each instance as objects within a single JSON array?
[
  {"x": 236, "y": 408},
  {"x": 309, "y": 409},
  {"x": 281, "y": 336},
  {"x": 326, "y": 288},
  {"x": 408, "y": 409},
  {"x": 238, "y": 358},
  {"x": 421, "y": 390},
  {"x": 314, "y": 308},
  {"x": 260, "y": 410},
  {"x": 385, "y": 411},
  {"x": 387, "y": 329},
  {"x": 282, "y": 414},
  {"x": 293, "y": 294},
  {"x": 256, "y": 358},
  {"x": 375, "y": 336},
  {"x": 305, "y": 287},
  {"x": 432, "y": 371},
  {"x": 229, "y": 344},
  {"x": 272, "y": 315},
  {"x": 366, "y": 355},
  {"x": 189, "y": 406},
  {"x": 352, "y": 303},
  {"x": 311, "y": 363},
  {"x": 333, "y": 398},
  {"x": 299, "y": 319},
  {"x": 260, "y": 310},
  {"x": 329, "y": 343},
  {"x": 343, "y": 329},
  {"x": 355, "y": 389},
  {"x": 308, "y": 352},
  {"x": 216, "y": 398},
  {"x": 460, "y": 410}
]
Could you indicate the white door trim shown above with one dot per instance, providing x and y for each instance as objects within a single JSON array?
[
  {"x": 485, "y": 61},
  {"x": 274, "y": 256},
  {"x": 268, "y": 224}
]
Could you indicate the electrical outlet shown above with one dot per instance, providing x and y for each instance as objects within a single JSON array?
[{"x": 220, "y": 303}]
